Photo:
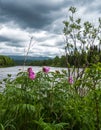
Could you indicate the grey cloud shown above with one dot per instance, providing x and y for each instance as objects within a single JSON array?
[
  {"x": 94, "y": 8},
  {"x": 34, "y": 13},
  {"x": 46, "y": 45},
  {"x": 39, "y": 15},
  {"x": 6, "y": 39},
  {"x": 11, "y": 42},
  {"x": 18, "y": 45},
  {"x": 60, "y": 44},
  {"x": 89, "y": 5},
  {"x": 57, "y": 44},
  {"x": 30, "y": 13},
  {"x": 80, "y": 3}
]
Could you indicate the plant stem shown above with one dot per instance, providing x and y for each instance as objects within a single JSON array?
[
  {"x": 96, "y": 109},
  {"x": 27, "y": 52}
]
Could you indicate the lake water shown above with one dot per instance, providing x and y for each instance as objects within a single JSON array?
[{"x": 16, "y": 69}]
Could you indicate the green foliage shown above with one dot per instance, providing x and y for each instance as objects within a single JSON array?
[
  {"x": 82, "y": 42},
  {"x": 50, "y": 102},
  {"x": 6, "y": 61}
]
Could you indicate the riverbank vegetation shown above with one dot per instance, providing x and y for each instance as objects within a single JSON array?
[
  {"x": 52, "y": 101},
  {"x": 6, "y": 61}
]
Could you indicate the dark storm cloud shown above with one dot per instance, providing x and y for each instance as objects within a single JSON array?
[
  {"x": 18, "y": 45},
  {"x": 6, "y": 39},
  {"x": 28, "y": 13},
  {"x": 41, "y": 18},
  {"x": 35, "y": 13},
  {"x": 11, "y": 42}
]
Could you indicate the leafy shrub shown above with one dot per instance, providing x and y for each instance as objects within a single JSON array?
[{"x": 50, "y": 102}]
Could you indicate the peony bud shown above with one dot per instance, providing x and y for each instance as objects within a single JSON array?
[{"x": 46, "y": 69}]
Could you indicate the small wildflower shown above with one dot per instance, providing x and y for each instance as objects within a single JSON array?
[
  {"x": 31, "y": 73},
  {"x": 70, "y": 80},
  {"x": 46, "y": 69}
]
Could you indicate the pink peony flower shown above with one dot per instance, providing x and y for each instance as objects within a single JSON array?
[
  {"x": 70, "y": 80},
  {"x": 30, "y": 70},
  {"x": 46, "y": 69},
  {"x": 31, "y": 74}
]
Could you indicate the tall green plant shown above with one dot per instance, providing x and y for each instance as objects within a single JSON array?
[{"x": 81, "y": 38}]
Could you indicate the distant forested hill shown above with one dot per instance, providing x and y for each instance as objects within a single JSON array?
[
  {"x": 6, "y": 61},
  {"x": 19, "y": 60}
]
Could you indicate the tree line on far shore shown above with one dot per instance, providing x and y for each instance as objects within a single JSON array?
[
  {"x": 75, "y": 59},
  {"x": 6, "y": 61}
]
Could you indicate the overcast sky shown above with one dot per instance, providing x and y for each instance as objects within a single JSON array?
[{"x": 42, "y": 19}]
